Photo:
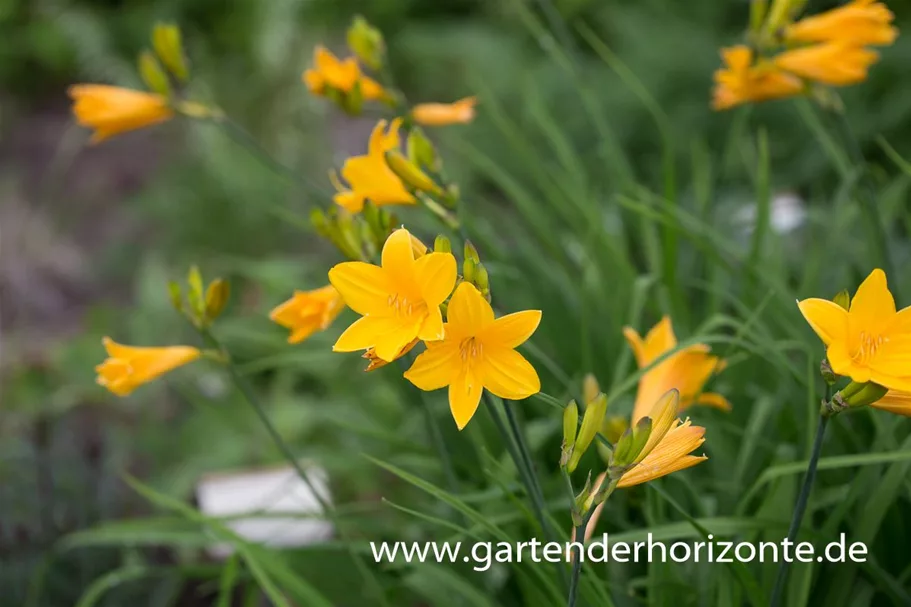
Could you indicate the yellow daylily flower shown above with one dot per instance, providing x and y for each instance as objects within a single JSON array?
[
  {"x": 832, "y": 63},
  {"x": 398, "y": 301},
  {"x": 870, "y": 342},
  {"x": 342, "y": 75},
  {"x": 477, "y": 352},
  {"x": 895, "y": 401},
  {"x": 369, "y": 177},
  {"x": 374, "y": 362},
  {"x": 112, "y": 110},
  {"x": 128, "y": 367},
  {"x": 686, "y": 371},
  {"x": 857, "y": 23},
  {"x": 308, "y": 312},
  {"x": 740, "y": 81},
  {"x": 442, "y": 114}
]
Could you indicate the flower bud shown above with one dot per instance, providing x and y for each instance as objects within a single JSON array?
[
  {"x": 420, "y": 151},
  {"x": 591, "y": 424},
  {"x": 590, "y": 388},
  {"x": 612, "y": 429},
  {"x": 468, "y": 270},
  {"x": 570, "y": 425},
  {"x": 410, "y": 174},
  {"x": 169, "y": 48},
  {"x": 758, "y": 10},
  {"x": 152, "y": 74},
  {"x": 629, "y": 447},
  {"x": 195, "y": 293},
  {"x": 217, "y": 295},
  {"x": 843, "y": 299},
  {"x": 482, "y": 281},
  {"x": 583, "y": 501},
  {"x": 175, "y": 295},
  {"x": 471, "y": 252},
  {"x": 868, "y": 394},
  {"x": 366, "y": 42},
  {"x": 442, "y": 245}
]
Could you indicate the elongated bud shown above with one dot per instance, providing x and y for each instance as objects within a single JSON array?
[
  {"x": 779, "y": 15},
  {"x": 570, "y": 425},
  {"x": 590, "y": 388},
  {"x": 758, "y": 10},
  {"x": 629, "y": 447},
  {"x": 169, "y": 48},
  {"x": 843, "y": 299},
  {"x": 410, "y": 174},
  {"x": 868, "y": 394},
  {"x": 195, "y": 292},
  {"x": 482, "y": 281},
  {"x": 612, "y": 429},
  {"x": 366, "y": 42},
  {"x": 442, "y": 245},
  {"x": 175, "y": 295},
  {"x": 591, "y": 424},
  {"x": 471, "y": 253},
  {"x": 152, "y": 74},
  {"x": 468, "y": 270},
  {"x": 420, "y": 151},
  {"x": 217, "y": 295}
]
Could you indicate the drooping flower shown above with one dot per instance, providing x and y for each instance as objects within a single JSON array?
[
  {"x": 686, "y": 371},
  {"x": 369, "y": 177},
  {"x": 398, "y": 301},
  {"x": 112, "y": 110},
  {"x": 478, "y": 352},
  {"x": 308, "y": 312},
  {"x": 832, "y": 63},
  {"x": 857, "y": 23},
  {"x": 870, "y": 342},
  {"x": 442, "y": 114},
  {"x": 328, "y": 72},
  {"x": 741, "y": 81},
  {"x": 128, "y": 367}
]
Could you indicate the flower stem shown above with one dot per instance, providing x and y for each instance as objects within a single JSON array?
[
  {"x": 801, "y": 506},
  {"x": 579, "y": 533}
]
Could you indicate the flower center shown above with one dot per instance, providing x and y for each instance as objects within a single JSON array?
[
  {"x": 400, "y": 305},
  {"x": 869, "y": 344},
  {"x": 470, "y": 349}
]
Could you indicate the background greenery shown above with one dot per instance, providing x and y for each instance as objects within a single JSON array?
[{"x": 598, "y": 186}]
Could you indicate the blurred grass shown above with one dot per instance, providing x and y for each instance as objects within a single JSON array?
[{"x": 600, "y": 188}]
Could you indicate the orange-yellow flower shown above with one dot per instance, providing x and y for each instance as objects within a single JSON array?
[
  {"x": 868, "y": 342},
  {"x": 308, "y": 312},
  {"x": 832, "y": 63},
  {"x": 128, "y": 367},
  {"x": 858, "y": 23},
  {"x": 895, "y": 401},
  {"x": 369, "y": 177},
  {"x": 399, "y": 301},
  {"x": 341, "y": 75},
  {"x": 477, "y": 352},
  {"x": 741, "y": 81},
  {"x": 687, "y": 371},
  {"x": 442, "y": 114},
  {"x": 112, "y": 110},
  {"x": 374, "y": 362}
]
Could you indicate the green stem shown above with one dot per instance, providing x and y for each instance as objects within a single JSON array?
[
  {"x": 800, "y": 507},
  {"x": 250, "y": 396},
  {"x": 580, "y": 538}
]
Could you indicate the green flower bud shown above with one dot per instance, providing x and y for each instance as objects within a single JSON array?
[
  {"x": 591, "y": 424},
  {"x": 410, "y": 174},
  {"x": 366, "y": 42},
  {"x": 442, "y": 245},
  {"x": 570, "y": 425},
  {"x": 152, "y": 74},
  {"x": 217, "y": 295},
  {"x": 843, "y": 299},
  {"x": 169, "y": 48}
]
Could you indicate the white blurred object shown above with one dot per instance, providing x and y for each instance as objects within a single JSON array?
[
  {"x": 248, "y": 495},
  {"x": 787, "y": 212}
]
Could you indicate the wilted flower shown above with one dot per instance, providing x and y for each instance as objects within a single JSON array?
[
  {"x": 369, "y": 177},
  {"x": 742, "y": 81},
  {"x": 308, "y": 312},
  {"x": 399, "y": 301},
  {"x": 686, "y": 371},
  {"x": 870, "y": 342},
  {"x": 442, "y": 114},
  {"x": 330, "y": 73},
  {"x": 478, "y": 352},
  {"x": 112, "y": 110},
  {"x": 128, "y": 367},
  {"x": 858, "y": 23}
]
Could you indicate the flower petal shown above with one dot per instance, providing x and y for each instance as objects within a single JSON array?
[
  {"x": 432, "y": 328},
  {"x": 872, "y": 306},
  {"x": 364, "y": 287},
  {"x": 895, "y": 402},
  {"x": 664, "y": 417},
  {"x": 507, "y": 374},
  {"x": 645, "y": 471},
  {"x": 464, "y": 397},
  {"x": 711, "y": 399},
  {"x": 398, "y": 262},
  {"x": 435, "y": 367},
  {"x": 828, "y": 319},
  {"x": 468, "y": 312},
  {"x": 512, "y": 330},
  {"x": 435, "y": 274}
]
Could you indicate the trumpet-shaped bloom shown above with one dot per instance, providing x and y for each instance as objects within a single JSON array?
[
  {"x": 112, "y": 110},
  {"x": 442, "y": 114},
  {"x": 687, "y": 371},
  {"x": 369, "y": 177},
  {"x": 743, "y": 82},
  {"x": 342, "y": 75},
  {"x": 478, "y": 352},
  {"x": 670, "y": 454},
  {"x": 858, "y": 23},
  {"x": 832, "y": 63},
  {"x": 868, "y": 342},
  {"x": 398, "y": 301},
  {"x": 128, "y": 367},
  {"x": 895, "y": 401},
  {"x": 308, "y": 312}
]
